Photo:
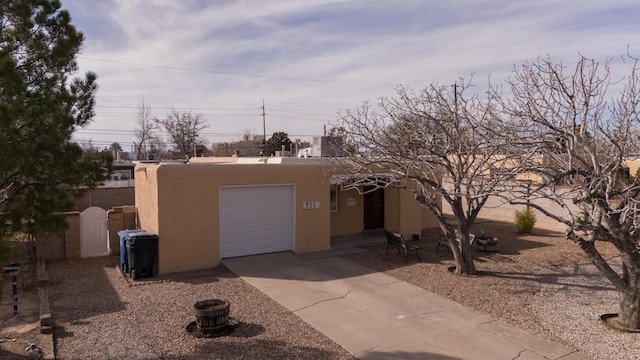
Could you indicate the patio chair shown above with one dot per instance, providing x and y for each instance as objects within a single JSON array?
[
  {"x": 442, "y": 241},
  {"x": 395, "y": 240},
  {"x": 472, "y": 241}
]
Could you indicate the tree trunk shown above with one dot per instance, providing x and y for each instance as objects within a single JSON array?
[
  {"x": 629, "y": 314},
  {"x": 461, "y": 249},
  {"x": 627, "y": 285},
  {"x": 463, "y": 257}
]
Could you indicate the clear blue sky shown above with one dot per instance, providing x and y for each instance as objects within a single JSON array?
[{"x": 311, "y": 59}]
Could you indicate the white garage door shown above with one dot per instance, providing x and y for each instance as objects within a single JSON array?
[{"x": 256, "y": 220}]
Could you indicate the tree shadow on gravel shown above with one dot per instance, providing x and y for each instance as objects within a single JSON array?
[
  {"x": 564, "y": 280},
  {"x": 430, "y": 254},
  {"x": 191, "y": 277},
  {"x": 237, "y": 329},
  {"x": 374, "y": 254},
  {"x": 258, "y": 349},
  {"x": 8, "y": 355},
  {"x": 513, "y": 248},
  {"x": 59, "y": 332},
  {"x": 196, "y": 277},
  {"x": 71, "y": 279},
  {"x": 247, "y": 330}
]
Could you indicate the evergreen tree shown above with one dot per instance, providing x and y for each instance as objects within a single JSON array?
[
  {"x": 40, "y": 107},
  {"x": 276, "y": 141}
]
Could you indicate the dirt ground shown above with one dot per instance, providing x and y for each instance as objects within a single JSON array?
[{"x": 17, "y": 332}]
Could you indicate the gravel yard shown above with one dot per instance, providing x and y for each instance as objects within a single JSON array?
[
  {"x": 538, "y": 282},
  {"x": 100, "y": 315}
]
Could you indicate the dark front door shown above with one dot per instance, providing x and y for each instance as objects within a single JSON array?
[{"x": 374, "y": 209}]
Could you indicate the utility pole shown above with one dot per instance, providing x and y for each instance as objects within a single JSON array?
[
  {"x": 455, "y": 96},
  {"x": 264, "y": 129}
]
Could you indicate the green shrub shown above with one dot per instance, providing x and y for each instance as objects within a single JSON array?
[
  {"x": 525, "y": 219},
  {"x": 584, "y": 218}
]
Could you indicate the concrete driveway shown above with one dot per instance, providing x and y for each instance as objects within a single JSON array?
[{"x": 376, "y": 316}]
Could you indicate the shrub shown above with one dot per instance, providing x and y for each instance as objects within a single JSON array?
[
  {"x": 584, "y": 218},
  {"x": 525, "y": 219}
]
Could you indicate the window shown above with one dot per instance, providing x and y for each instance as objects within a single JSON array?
[
  {"x": 124, "y": 174},
  {"x": 333, "y": 203}
]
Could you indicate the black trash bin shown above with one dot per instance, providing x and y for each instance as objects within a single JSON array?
[
  {"x": 142, "y": 248},
  {"x": 124, "y": 260}
]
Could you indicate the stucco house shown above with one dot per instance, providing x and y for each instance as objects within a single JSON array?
[{"x": 214, "y": 208}]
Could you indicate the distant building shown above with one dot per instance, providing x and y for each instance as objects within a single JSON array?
[
  {"x": 250, "y": 145},
  {"x": 296, "y": 145},
  {"x": 327, "y": 146}
]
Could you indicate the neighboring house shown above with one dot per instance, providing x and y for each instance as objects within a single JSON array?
[
  {"x": 249, "y": 146},
  {"x": 632, "y": 162},
  {"x": 118, "y": 190},
  {"x": 327, "y": 146},
  {"x": 207, "y": 209}
]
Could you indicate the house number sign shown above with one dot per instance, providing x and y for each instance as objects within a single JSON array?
[{"x": 311, "y": 205}]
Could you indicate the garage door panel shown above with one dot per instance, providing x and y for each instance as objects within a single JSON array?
[
  {"x": 260, "y": 224},
  {"x": 250, "y": 218},
  {"x": 256, "y": 220},
  {"x": 252, "y": 248},
  {"x": 259, "y": 236},
  {"x": 257, "y": 209}
]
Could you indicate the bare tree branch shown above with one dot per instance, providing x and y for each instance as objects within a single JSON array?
[
  {"x": 438, "y": 144},
  {"x": 582, "y": 139},
  {"x": 145, "y": 130},
  {"x": 183, "y": 128}
]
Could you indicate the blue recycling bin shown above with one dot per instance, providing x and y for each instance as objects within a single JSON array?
[
  {"x": 124, "y": 261},
  {"x": 142, "y": 249}
]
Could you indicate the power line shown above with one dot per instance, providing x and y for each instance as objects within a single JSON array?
[{"x": 236, "y": 74}]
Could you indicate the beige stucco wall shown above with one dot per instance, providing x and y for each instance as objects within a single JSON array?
[
  {"x": 391, "y": 213},
  {"x": 633, "y": 165},
  {"x": 186, "y": 213},
  {"x": 349, "y": 218},
  {"x": 180, "y": 203},
  {"x": 120, "y": 218},
  {"x": 495, "y": 209},
  {"x": 403, "y": 213},
  {"x": 410, "y": 214},
  {"x": 428, "y": 220}
]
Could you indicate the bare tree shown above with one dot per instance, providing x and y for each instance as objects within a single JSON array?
[
  {"x": 183, "y": 129},
  {"x": 145, "y": 131},
  {"x": 438, "y": 144},
  {"x": 249, "y": 144},
  {"x": 577, "y": 140}
]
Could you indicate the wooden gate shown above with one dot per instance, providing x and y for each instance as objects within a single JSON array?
[{"x": 94, "y": 237}]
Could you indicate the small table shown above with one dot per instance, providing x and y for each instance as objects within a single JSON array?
[{"x": 486, "y": 243}]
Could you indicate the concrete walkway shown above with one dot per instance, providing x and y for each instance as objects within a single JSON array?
[{"x": 376, "y": 316}]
